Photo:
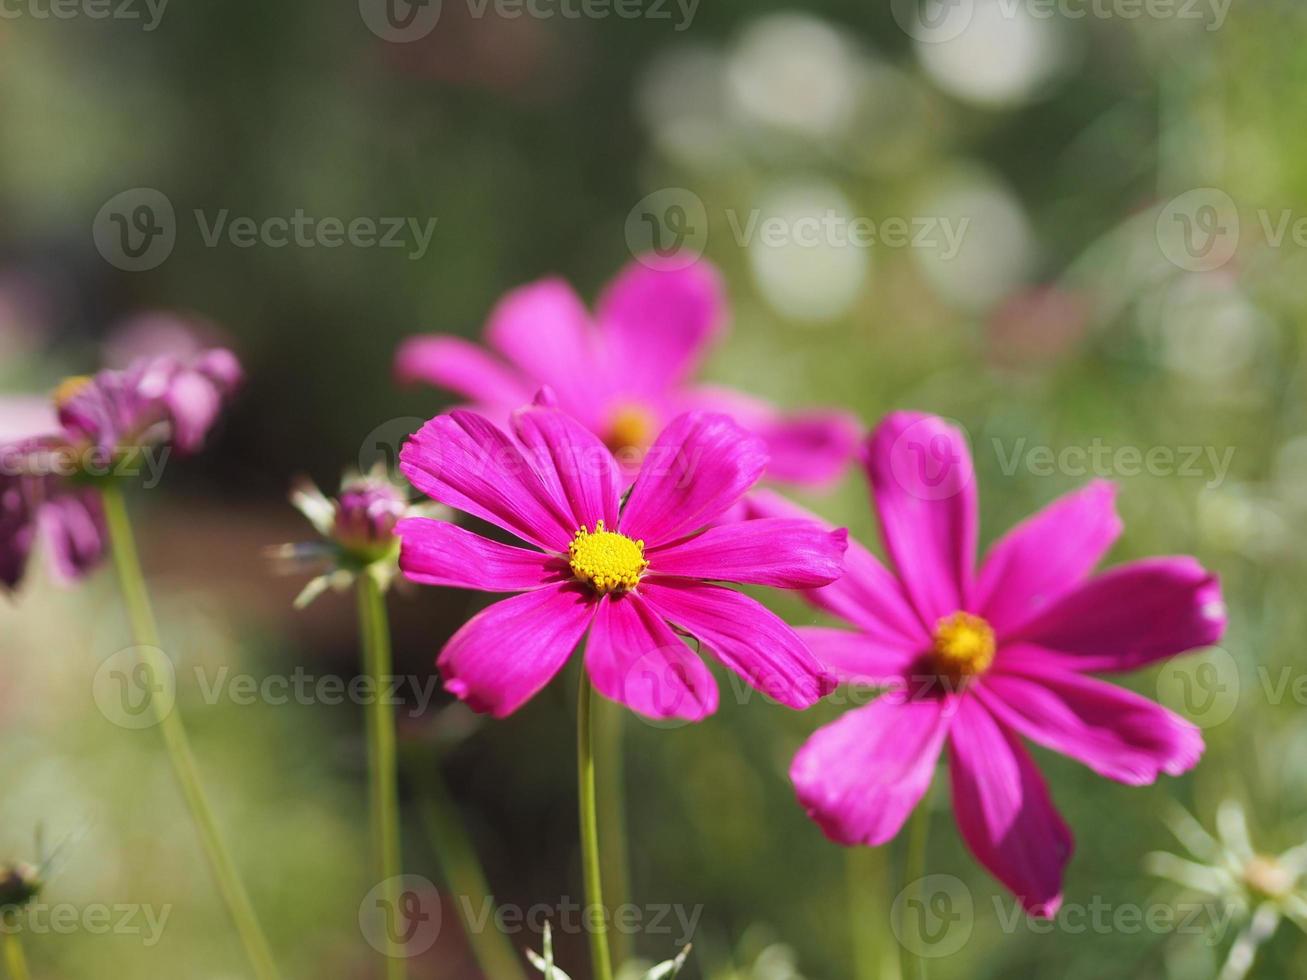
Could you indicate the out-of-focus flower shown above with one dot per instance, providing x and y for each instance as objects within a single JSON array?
[
  {"x": 623, "y": 571},
  {"x": 623, "y": 374},
  {"x": 99, "y": 427},
  {"x": 1037, "y": 327},
  {"x": 358, "y": 531},
  {"x": 20, "y": 882},
  {"x": 980, "y": 659},
  {"x": 160, "y": 333},
  {"x": 1262, "y": 889}
]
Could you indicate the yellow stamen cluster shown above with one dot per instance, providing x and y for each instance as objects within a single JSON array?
[
  {"x": 68, "y": 389},
  {"x": 630, "y": 427},
  {"x": 964, "y": 645},
  {"x": 606, "y": 559}
]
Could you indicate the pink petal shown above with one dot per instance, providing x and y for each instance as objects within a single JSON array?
[
  {"x": 698, "y": 467},
  {"x": 867, "y": 595},
  {"x": 1115, "y": 732},
  {"x": 72, "y": 524},
  {"x": 456, "y": 365},
  {"x": 507, "y": 652},
  {"x": 860, "y": 777},
  {"x": 635, "y": 658},
  {"x": 809, "y": 448},
  {"x": 544, "y": 329},
  {"x": 439, "y": 553},
  {"x": 1132, "y": 615},
  {"x": 925, "y": 494},
  {"x": 745, "y": 636},
  {"x": 1047, "y": 555},
  {"x": 657, "y": 320},
  {"x": 1004, "y": 811},
  {"x": 573, "y": 463},
  {"x": 859, "y": 658},
  {"x": 786, "y": 554},
  {"x": 464, "y": 461}
]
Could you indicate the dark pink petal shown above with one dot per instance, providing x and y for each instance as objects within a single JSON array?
[
  {"x": 925, "y": 494},
  {"x": 466, "y": 462},
  {"x": 439, "y": 553},
  {"x": 860, "y": 777},
  {"x": 657, "y": 321},
  {"x": 867, "y": 595},
  {"x": 544, "y": 329},
  {"x": 1115, "y": 732},
  {"x": 1004, "y": 811},
  {"x": 745, "y": 636},
  {"x": 17, "y": 529},
  {"x": 72, "y": 523},
  {"x": 1046, "y": 555},
  {"x": 859, "y": 658},
  {"x": 634, "y": 658},
  {"x": 786, "y": 554},
  {"x": 1132, "y": 615},
  {"x": 456, "y": 365},
  {"x": 698, "y": 467},
  {"x": 573, "y": 463},
  {"x": 507, "y": 652}
]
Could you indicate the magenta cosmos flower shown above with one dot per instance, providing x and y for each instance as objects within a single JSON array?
[
  {"x": 636, "y": 576},
  {"x": 98, "y": 427},
  {"x": 624, "y": 372},
  {"x": 979, "y": 660}
]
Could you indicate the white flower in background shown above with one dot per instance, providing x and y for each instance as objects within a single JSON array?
[
  {"x": 1004, "y": 56},
  {"x": 1262, "y": 890},
  {"x": 990, "y": 248},
  {"x": 795, "y": 73},
  {"x": 803, "y": 251},
  {"x": 1208, "y": 328}
]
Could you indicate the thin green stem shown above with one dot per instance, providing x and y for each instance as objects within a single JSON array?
[
  {"x": 914, "y": 869},
  {"x": 601, "y": 958},
  {"x": 15, "y": 960},
  {"x": 610, "y": 777},
  {"x": 384, "y": 782},
  {"x": 155, "y": 663},
  {"x": 867, "y": 876},
  {"x": 464, "y": 876}
]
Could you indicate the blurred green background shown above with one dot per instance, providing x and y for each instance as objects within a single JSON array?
[{"x": 1121, "y": 281}]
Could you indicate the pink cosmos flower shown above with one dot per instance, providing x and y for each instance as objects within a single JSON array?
[
  {"x": 637, "y": 575},
  {"x": 95, "y": 426},
  {"x": 624, "y": 373},
  {"x": 979, "y": 660}
]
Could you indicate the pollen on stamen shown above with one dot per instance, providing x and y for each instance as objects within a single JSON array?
[
  {"x": 963, "y": 645},
  {"x": 68, "y": 388},
  {"x": 608, "y": 561}
]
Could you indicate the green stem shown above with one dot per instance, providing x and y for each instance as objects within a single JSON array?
[
  {"x": 178, "y": 747},
  {"x": 15, "y": 960},
  {"x": 601, "y": 959},
  {"x": 873, "y": 945},
  {"x": 914, "y": 869},
  {"x": 610, "y": 777},
  {"x": 384, "y": 783},
  {"x": 463, "y": 874}
]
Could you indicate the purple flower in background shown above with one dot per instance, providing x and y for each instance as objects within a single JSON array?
[
  {"x": 624, "y": 372},
  {"x": 97, "y": 427}
]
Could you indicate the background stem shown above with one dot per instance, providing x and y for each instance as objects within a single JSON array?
[
  {"x": 610, "y": 778},
  {"x": 914, "y": 869},
  {"x": 383, "y": 779},
  {"x": 15, "y": 960},
  {"x": 600, "y": 957},
  {"x": 146, "y": 634}
]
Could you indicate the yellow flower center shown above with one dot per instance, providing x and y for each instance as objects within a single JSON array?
[
  {"x": 606, "y": 559},
  {"x": 964, "y": 645},
  {"x": 631, "y": 427},
  {"x": 68, "y": 389}
]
